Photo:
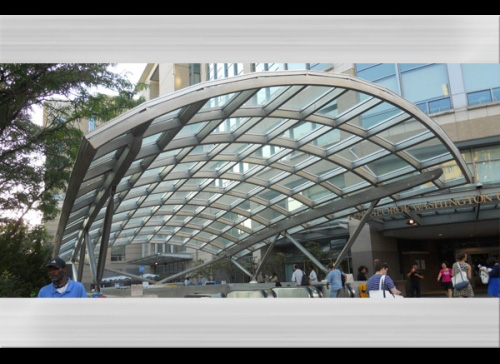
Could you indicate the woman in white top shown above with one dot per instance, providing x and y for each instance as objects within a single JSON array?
[{"x": 313, "y": 277}]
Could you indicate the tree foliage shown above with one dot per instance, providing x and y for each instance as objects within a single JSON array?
[
  {"x": 36, "y": 160},
  {"x": 22, "y": 260}
]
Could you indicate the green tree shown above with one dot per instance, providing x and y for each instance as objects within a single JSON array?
[
  {"x": 22, "y": 260},
  {"x": 36, "y": 160}
]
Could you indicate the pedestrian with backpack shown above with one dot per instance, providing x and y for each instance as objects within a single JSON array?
[{"x": 334, "y": 281}]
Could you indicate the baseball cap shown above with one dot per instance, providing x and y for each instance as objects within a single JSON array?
[{"x": 57, "y": 262}]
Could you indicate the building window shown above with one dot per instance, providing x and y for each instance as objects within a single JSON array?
[
  {"x": 486, "y": 162},
  {"x": 482, "y": 82},
  {"x": 194, "y": 73},
  {"x": 118, "y": 254},
  {"x": 92, "y": 124},
  {"x": 425, "y": 85},
  {"x": 218, "y": 71}
]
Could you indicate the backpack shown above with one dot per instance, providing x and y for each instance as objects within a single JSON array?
[
  {"x": 343, "y": 278},
  {"x": 305, "y": 279}
]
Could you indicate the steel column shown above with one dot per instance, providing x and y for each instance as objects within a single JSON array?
[
  {"x": 108, "y": 218},
  {"x": 265, "y": 257},
  {"x": 90, "y": 250},
  {"x": 81, "y": 262},
  {"x": 75, "y": 272},
  {"x": 356, "y": 232},
  {"x": 242, "y": 268},
  {"x": 307, "y": 253}
]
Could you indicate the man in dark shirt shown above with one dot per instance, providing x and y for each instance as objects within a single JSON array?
[{"x": 415, "y": 276}]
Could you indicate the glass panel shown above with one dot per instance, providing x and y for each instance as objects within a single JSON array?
[
  {"x": 425, "y": 83},
  {"x": 376, "y": 72},
  {"x": 409, "y": 66},
  {"x": 268, "y": 173},
  {"x": 227, "y": 199},
  {"x": 319, "y": 66},
  {"x": 152, "y": 139},
  {"x": 134, "y": 223},
  {"x": 188, "y": 210},
  {"x": 486, "y": 153},
  {"x": 155, "y": 197},
  {"x": 293, "y": 182},
  {"x": 306, "y": 97},
  {"x": 376, "y": 115},
  {"x": 345, "y": 180},
  {"x": 103, "y": 159},
  {"x": 320, "y": 168},
  {"x": 192, "y": 183},
  {"x": 218, "y": 226},
  {"x": 206, "y": 236},
  {"x": 267, "y": 151},
  {"x": 190, "y": 130},
  {"x": 235, "y": 148},
  {"x": 290, "y": 204},
  {"x": 316, "y": 193},
  {"x": 165, "y": 117},
  {"x": 403, "y": 131},
  {"x": 233, "y": 217},
  {"x": 481, "y": 76},
  {"x": 362, "y": 66},
  {"x": 496, "y": 94},
  {"x": 264, "y": 96},
  {"x": 229, "y": 125},
  {"x": 270, "y": 214},
  {"x": 269, "y": 195},
  {"x": 296, "y": 66},
  {"x": 387, "y": 164},
  {"x": 203, "y": 149},
  {"x": 218, "y": 101},
  {"x": 183, "y": 167},
  {"x": 266, "y": 125},
  {"x": 249, "y": 205},
  {"x": 488, "y": 171},
  {"x": 359, "y": 150},
  {"x": 167, "y": 155},
  {"x": 166, "y": 186},
  {"x": 428, "y": 150},
  {"x": 300, "y": 130},
  {"x": 451, "y": 171},
  {"x": 294, "y": 158},
  {"x": 237, "y": 233},
  {"x": 440, "y": 105},
  {"x": 245, "y": 187},
  {"x": 213, "y": 166},
  {"x": 202, "y": 196},
  {"x": 480, "y": 97},
  {"x": 328, "y": 139}
]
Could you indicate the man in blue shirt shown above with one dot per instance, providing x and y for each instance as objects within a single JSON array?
[
  {"x": 334, "y": 281},
  {"x": 61, "y": 286}
]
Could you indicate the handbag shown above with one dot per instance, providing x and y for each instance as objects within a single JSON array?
[
  {"x": 381, "y": 292},
  {"x": 459, "y": 281},
  {"x": 485, "y": 277}
]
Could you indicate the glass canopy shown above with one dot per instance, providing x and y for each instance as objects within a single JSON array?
[{"x": 213, "y": 166}]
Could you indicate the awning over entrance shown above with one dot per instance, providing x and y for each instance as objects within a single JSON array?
[{"x": 224, "y": 166}]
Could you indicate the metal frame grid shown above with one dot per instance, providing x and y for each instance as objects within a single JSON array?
[{"x": 221, "y": 165}]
